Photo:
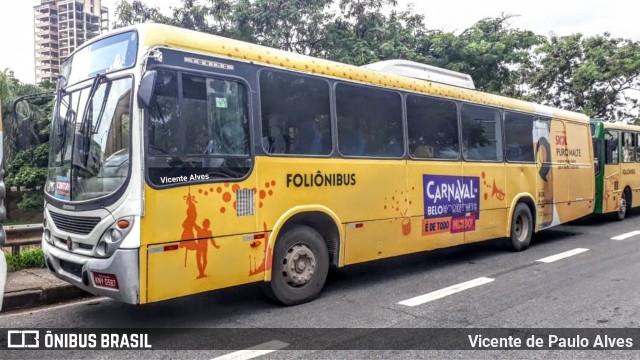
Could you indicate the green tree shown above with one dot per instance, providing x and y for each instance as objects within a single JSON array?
[
  {"x": 363, "y": 33},
  {"x": 26, "y": 136},
  {"x": 595, "y": 75},
  {"x": 490, "y": 51},
  {"x": 11, "y": 89},
  {"x": 136, "y": 12},
  {"x": 358, "y": 33}
]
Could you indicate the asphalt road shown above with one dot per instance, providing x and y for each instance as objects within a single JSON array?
[{"x": 596, "y": 287}]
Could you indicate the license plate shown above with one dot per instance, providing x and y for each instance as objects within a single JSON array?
[{"x": 105, "y": 280}]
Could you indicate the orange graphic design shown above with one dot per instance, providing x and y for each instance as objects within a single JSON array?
[
  {"x": 266, "y": 261},
  {"x": 204, "y": 236},
  {"x": 400, "y": 200},
  {"x": 496, "y": 192},
  {"x": 266, "y": 192}
]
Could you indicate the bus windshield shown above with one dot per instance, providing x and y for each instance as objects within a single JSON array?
[
  {"x": 89, "y": 158},
  {"x": 107, "y": 55},
  {"x": 89, "y": 153}
]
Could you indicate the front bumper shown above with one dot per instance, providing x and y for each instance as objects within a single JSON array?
[{"x": 77, "y": 270}]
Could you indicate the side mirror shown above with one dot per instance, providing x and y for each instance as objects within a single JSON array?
[{"x": 145, "y": 91}]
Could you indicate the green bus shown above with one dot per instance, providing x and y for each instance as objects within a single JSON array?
[{"x": 617, "y": 166}]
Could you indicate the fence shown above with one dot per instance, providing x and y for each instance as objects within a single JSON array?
[{"x": 22, "y": 235}]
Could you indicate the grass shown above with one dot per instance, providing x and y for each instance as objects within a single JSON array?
[{"x": 33, "y": 258}]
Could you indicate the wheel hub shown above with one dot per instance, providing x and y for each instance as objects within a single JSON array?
[
  {"x": 521, "y": 228},
  {"x": 299, "y": 265}
]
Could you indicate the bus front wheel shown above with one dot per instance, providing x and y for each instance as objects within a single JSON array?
[
  {"x": 300, "y": 266},
  {"x": 521, "y": 228}
]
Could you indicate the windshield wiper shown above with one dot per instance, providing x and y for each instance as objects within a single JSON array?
[
  {"x": 68, "y": 117},
  {"x": 103, "y": 105},
  {"x": 86, "y": 127}
]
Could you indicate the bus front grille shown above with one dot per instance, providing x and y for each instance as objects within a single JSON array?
[{"x": 74, "y": 224}]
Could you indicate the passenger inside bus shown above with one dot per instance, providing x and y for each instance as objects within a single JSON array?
[
  {"x": 424, "y": 151},
  {"x": 352, "y": 141},
  {"x": 275, "y": 143},
  {"x": 307, "y": 138}
]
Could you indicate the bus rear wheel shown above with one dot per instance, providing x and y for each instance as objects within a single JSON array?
[
  {"x": 300, "y": 266},
  {"x": 625, "y": 205},
  {"x": 521, "y": 228}
]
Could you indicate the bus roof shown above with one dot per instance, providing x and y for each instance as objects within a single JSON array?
[
  {"x": 166, "y": 35},
  {"x": 617, "y": 125},
  {"x": 426, "y": 72}
]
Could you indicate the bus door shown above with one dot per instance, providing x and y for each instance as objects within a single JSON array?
[
  {"x": 611, "y": 191},
  {"x": 483, "y": 190},
  {"x": 200, "y": 224}
]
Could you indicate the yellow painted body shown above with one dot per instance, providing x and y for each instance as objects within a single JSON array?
[
  {"x": 379, "y": 206},
  {"x": 381, "y": 216}
]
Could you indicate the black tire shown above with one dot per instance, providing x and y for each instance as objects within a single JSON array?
[
  {"x": 300, "y": 266},
  {"x": 625, "y": 205},
  {"x": 521, "y": 228}
]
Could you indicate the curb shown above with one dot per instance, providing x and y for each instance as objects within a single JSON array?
[{"x": 31, "y": 298}]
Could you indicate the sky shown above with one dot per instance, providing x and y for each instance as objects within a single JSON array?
[{"x": 559, "y": 17}]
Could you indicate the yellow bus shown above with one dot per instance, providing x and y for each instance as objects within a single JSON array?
[
  {"x": 617, "y": 166},
  {"x": 236, "y": 163}
]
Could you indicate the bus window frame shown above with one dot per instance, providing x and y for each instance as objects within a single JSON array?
[
  {"x": 332, "y": 113},
  {"x": 504, "y": 134},
  {"x": 637, "y": 154},
  {"x": 500, "y": 159},
  {"x": 458, "y": 130},
  {"x": 138, "y": 47},
  {"x": 114, "y": 197},
  {"x": 606, "y": 148},
  {"x": 206, "y": 74},
  {"x": 403, "y": 121},
  {"x": 634, "y": 145}
]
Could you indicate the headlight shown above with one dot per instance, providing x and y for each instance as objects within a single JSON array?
[
  {"x": 113, "y": 236},
  {"x": 102, "y": 248}
]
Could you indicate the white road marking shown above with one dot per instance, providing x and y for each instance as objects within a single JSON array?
[
  {"x": 258, "y": 350},
  {"x": 552, "y": 258},
  {"x": 438, "y": 294},
  {"x": 626, "y": 236}
]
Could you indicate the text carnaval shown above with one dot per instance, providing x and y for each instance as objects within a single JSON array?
[{"x": 454, "y": 191}]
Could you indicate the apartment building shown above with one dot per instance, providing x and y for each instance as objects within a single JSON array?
[{"x": 60, "y": 26}]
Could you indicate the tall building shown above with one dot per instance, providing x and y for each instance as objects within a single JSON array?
[{"x": 60, "y": 26}]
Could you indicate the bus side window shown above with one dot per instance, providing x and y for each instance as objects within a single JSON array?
[
  {"x": 369, "y": 121},
  {"x": 596, "y": 155},
  {"x": 611, "y": 147},
  {"x": 163, "y": 126},
  {"x": 517, "y": 132},
  {"x": 432, "y": 127},
  {"x": 481, "y": 133},
  {"x": 629, "y": 150},
  {"x": 295, "y": 113}
]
